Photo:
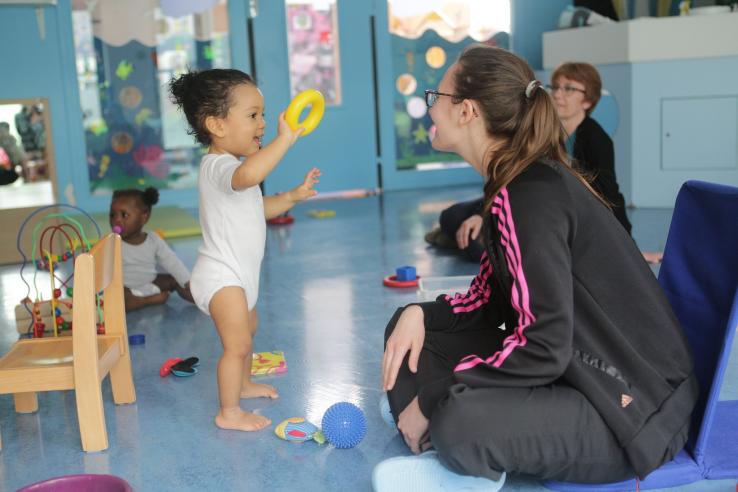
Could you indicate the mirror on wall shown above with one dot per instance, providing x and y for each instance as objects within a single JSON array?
[{"x": 26, "y": 155}]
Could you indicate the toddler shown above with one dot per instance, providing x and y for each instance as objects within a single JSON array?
[{"x": 225, "y": 111}]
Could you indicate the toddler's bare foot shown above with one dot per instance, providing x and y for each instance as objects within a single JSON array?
[
  {"x": 258, "y": 390},
  {"x": 240, "y": 420}
]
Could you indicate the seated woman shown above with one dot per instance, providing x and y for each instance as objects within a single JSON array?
[
  {"x": 564, "y": 360},
  {"x": 576, "y": 90}
]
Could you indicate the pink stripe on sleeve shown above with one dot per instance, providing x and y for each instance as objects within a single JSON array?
[
  {"x": 519, "y": 296},
  {"x": 479, "y": 292}
]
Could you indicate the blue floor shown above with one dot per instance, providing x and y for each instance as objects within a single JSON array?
[{"x": 322, "y": 303}]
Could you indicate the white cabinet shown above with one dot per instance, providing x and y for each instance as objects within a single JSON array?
[{"x": 699, "y": 133}]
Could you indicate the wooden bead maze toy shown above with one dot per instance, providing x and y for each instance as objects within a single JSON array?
[{"x": 56, "y": 238}]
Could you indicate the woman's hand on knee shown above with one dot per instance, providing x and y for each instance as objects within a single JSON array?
[
  {"x": 414, "y": 426},
  {"x": 408, "y": 335}
]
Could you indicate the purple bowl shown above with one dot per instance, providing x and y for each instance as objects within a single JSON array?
[{"x": 80, "y": 483}]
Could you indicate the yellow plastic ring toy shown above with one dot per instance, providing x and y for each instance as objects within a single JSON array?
[{"x": 310, "y": 97}]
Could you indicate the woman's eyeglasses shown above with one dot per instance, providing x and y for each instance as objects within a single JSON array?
[
  {"x": 568, "y": 89},
  {"x": 432, "y": 96}
]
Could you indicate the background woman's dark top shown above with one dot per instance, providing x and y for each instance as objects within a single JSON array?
[{"x": 594, "y": 155}]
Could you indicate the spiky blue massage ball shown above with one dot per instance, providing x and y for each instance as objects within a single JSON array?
[{"x": 344, "y": 425}]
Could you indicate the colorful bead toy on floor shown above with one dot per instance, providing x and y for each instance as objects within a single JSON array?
[
  {"x": 297, "y": 429},
  {"x": 55, "y": 238},
  {"x": 344, "y": 425}
]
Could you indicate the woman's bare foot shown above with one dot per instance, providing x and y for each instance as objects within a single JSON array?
[
  {"x": 257, "y": 390},
  {"x": 239, "y": 420}
]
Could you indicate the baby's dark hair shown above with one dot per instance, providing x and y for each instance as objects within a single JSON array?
[
  {"x": 206, "y": 93},
  {"x": 146, "y": 198}
]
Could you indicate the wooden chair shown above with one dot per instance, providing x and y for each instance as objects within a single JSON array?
[{"x": 82, "y": 361}]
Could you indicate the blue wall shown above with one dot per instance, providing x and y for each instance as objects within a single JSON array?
[
  {"x": 39, "y": 69},
  {"x": 46, "y": 68},
  {"x": 529, "y": 20}
]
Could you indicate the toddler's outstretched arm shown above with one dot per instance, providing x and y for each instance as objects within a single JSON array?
[
  {"x": 276, "y": 205},
  {"x": 259, "y": 164}
]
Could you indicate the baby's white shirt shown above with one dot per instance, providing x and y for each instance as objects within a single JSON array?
[
  {"x": 232, "y": 221},
  {"x": 142, "y": 262}
]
